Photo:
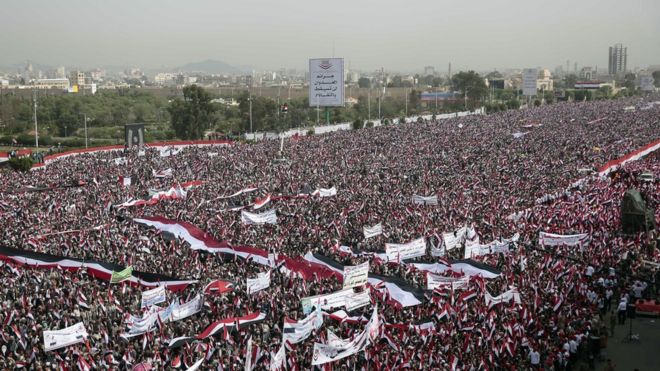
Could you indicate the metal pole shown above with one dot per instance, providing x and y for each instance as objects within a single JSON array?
[
  {"x": 317, "y": 112},
  {"x": 36, "y": 126},
  {"x": 436, "y": 100},
  {"x": 250, "y": 100},
  {"x": 85, "y": 130},
  {"x": 369, "y": 103}
]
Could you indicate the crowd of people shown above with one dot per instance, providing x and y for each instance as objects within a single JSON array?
[{"x": 489, "y": 172}]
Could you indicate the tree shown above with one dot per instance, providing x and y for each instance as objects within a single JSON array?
[
  {"x": 364, "y": 82},
  {"x": 470, "y": 83},
  {"x": 629, "y": 81},
  {"x": 656, "y": 79},
  {"x": 192, "y": 115},
  {"x": 570, "y": 81}
]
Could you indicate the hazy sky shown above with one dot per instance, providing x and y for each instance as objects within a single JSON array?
[{"x": 397, "y": 35}]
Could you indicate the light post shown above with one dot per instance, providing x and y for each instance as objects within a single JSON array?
[{"x": 36, "y": 126}]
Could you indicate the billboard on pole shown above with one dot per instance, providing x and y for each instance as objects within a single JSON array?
[
  {"x": 646, "y": 83},
  {"x": 326, "y": 82},
  {"x": 529, "y": 77}
]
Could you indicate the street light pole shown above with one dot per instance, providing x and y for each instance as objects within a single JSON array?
[
  {"x": 36, "y": 126},
  {"x": 250, "y": 101},
  {"x": 85, "y": 115}
]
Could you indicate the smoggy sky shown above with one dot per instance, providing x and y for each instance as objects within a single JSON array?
[{"x": 396, "y": 35}]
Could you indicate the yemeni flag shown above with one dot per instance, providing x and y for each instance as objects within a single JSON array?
[
  {"x": 122, "y": 275},
  {"x": 398, "y": 289},
  {"x": 246, "y": 320},
  {"x": 200, "y": 240},
  {"x": 97, "y": 269},
  {"x": 261, "y": 202},
  {"x": 180, "y": 341},
  {"x": 466, "y": 267}
]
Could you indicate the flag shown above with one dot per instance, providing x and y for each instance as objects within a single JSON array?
[
  {"x": 218, "y": 287},
  {"x": 261, "y": 202},
  {"x": 121, "y": 275},
  {"x": 125, "y": 181},
  {"x": 94, "y": 268}
]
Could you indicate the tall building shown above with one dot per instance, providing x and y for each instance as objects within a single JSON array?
[
  {"x": 618, "y": 59},
  {"x": 77, "y": 78}
]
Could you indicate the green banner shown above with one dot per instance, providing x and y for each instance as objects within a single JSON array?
[{"x": 122, "y": 275}]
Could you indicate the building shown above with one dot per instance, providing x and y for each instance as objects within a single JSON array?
[
  {"x": 587, "y": 73},
  {"x": 429, "y": 70},
  {"x": 77, "y": 78},
  {"x": 544, "y": 81},
  {"x": 61, "y": 84},
  {"x": 618, "y": 59}
]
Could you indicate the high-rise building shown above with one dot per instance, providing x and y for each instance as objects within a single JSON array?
[
  {"x": 77, "y": 78},
  {"x": 618, "y": 59}
]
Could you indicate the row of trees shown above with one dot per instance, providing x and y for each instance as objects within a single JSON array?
[{"x": 63, "y": 115}]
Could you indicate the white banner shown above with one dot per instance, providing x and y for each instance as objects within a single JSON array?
[
  {"x": 57, "y": 339},
  {"x": 260, "y": 283},
  {"x": 434, "y": 281},
  {"x": 335, "y": 341},
  {"x": 185, "y": 310},
  {"x": 550, "y": 239},
  {"x": 453, "y": 240},
  {"x": 428, "y": 200},
  {"x": 372, "y": 231},
  {"x": 295, "y": 332},
  {"x": 495, "y": 247},
  {"x": 412, "y": 249},
  {"x": 356, "y": 275},
  {"x": 268, "y": 217},
  {"x": 278, "y": 360},
  {"x": 327, "y": 301},
  {"x": 325, "y": 192},
  {"x": 325, "y": 353},
  {"x": 326, "y": 82},
  {"x": 505, "y": 297},
  {"x": 153, "y": 296},
  {"x": 358, "y": 300}
]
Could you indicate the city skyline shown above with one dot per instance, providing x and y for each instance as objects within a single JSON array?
[{"x": 267, "y": 36}]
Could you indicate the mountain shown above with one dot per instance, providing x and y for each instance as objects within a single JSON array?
[{"x": 212, "y": 67}]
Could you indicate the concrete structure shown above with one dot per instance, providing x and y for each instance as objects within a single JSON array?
[
  {"x": 617, "y": 60},
  {"x": 60, "y": 84},
  {"x": 587, "y": 73},
  {"x": 545, "y": 82},
  {"x": 77, "y": 78}
]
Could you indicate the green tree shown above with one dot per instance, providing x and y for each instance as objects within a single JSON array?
[
  {"x": 629, "y": 81},
  {"x": 470, "y": 84},
  {"x": 192, "y": 115},
  {"x": 569, "y": 81}
]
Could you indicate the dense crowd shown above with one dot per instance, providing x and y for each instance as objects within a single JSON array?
[{"x": 489, "y": 172}]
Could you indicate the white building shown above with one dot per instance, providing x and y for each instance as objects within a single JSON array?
[{"x": 61, "y": 84}]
